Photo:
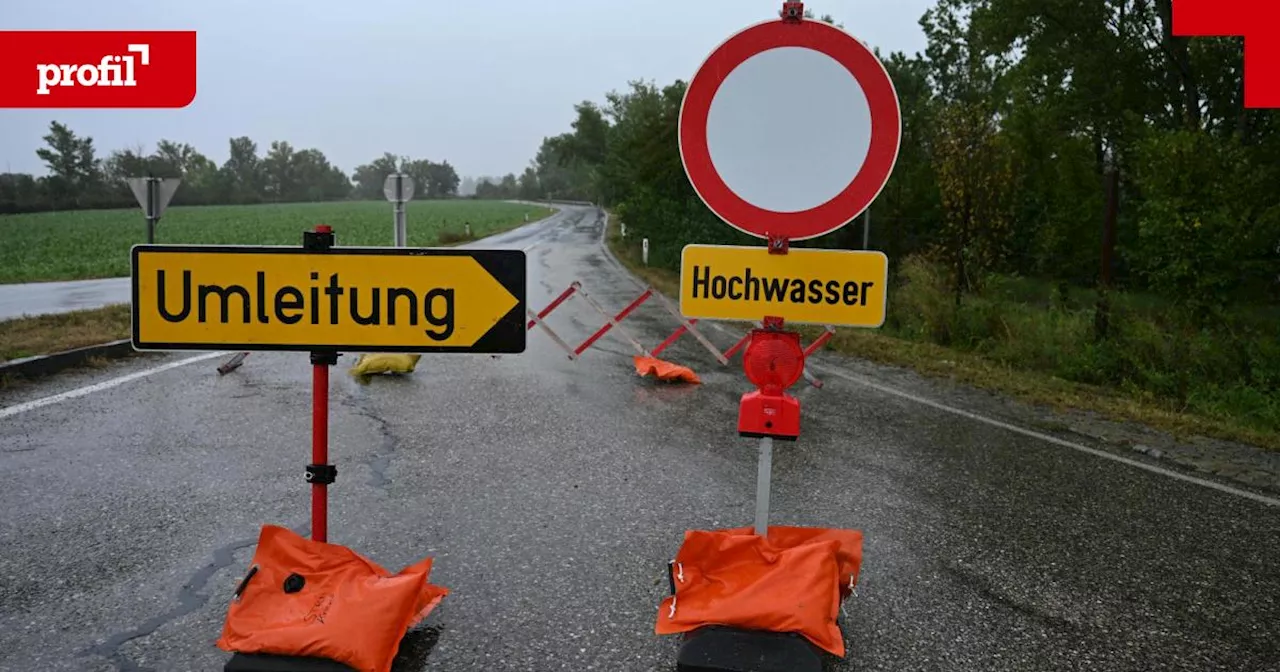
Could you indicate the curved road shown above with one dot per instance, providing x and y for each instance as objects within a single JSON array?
[{"x": 551, "y": 494}]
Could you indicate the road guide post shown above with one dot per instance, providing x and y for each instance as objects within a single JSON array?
[
  {"x": 323, "y": 300},
  {"x": 806, "y": 177}
]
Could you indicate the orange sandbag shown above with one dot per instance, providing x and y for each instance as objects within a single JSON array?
[
  {"x": 791, "y": 582},
  {"x": 848, "y": 555},
  {"x": 665, "y": 370},
  {"x": 345, "y": 608}
]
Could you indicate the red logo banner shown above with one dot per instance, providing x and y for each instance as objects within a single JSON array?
[
  {"x": 1257, "y": 21},
  {"x": 97, "y": 69}
]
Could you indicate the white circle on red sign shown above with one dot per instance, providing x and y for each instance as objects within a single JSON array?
[{"x": 790, "y": 129}]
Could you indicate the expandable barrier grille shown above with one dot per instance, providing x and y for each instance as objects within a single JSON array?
[{"x": 614, "y": 322}]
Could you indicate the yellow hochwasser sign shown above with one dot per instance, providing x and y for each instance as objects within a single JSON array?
[
  {"x": 362, "y": 299},
  {"x": 836, "y": 287}
]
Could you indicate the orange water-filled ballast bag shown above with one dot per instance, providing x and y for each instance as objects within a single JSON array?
[
  {"x": 312, "y": 599},
  {"x": 792, "y": 581}
]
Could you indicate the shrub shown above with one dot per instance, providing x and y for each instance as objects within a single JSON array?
[{"x": 922, "y": 306}]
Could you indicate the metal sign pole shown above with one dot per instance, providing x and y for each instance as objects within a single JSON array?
[
  {"x": 398, "y": 188},
  {"x": 153, "y": 195},
  {"x": 320, "y": 474},
  {"x": 401, "y": 232},
  {"x": 866, "y": 230},
  {"x": 151, "y": 208},
  {"x": 764, "y": 473}
]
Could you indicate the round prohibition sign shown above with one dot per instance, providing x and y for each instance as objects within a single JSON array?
[{"x": 790, "y": 129}]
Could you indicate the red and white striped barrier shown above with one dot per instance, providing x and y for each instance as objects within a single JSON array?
[
  {"x": 614, "y": 322},
  {"x": 535, "y": 319}
]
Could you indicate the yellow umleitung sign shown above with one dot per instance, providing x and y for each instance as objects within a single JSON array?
[
  {"x": 344, "y": 299},
  {"x": 808, "y": 286}
]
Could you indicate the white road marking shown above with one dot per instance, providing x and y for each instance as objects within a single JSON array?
[
  {"x": 1051, "y": 439},
  {"x": 9, "y": 411},
  {"x": 530, "y": 247},
  {"x": 1269, "y": 501}
]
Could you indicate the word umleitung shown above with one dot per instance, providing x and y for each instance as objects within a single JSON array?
[{"x": 287, "y": 304}]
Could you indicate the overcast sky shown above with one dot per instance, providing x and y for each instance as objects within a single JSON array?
[{"x": 476, "y": 82}]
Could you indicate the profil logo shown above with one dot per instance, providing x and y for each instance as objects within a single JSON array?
[
  {"x": 107, "y": 69},
  {"x": 111, "y": 71},
  {"x": 1257, "y": 21}
]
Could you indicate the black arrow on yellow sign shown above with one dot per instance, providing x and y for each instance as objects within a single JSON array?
[{"x": 245, "y": 298}]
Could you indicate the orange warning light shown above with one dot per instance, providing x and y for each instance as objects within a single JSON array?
[{"x": 773, "y": 362}]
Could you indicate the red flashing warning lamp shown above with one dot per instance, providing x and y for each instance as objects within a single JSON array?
[{"x": 773, "y": 362}]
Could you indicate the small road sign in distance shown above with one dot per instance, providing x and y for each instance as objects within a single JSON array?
[
  {"x": 806, "y": 286},
  {"x": 790, "y": 129},
  {"x": 346, "y": 299},
  {"x": 406, "y": 187},
  {"x": 154, "y": 202}
]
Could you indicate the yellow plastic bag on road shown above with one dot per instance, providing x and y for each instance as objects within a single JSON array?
[{"x": 383, "y": 362}]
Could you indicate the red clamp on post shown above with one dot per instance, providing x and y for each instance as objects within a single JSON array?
[
  {"x": 779, "y": 244},
  {"x": 792, "y": 12}
]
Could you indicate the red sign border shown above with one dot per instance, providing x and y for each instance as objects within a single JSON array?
[{"x": 882, "y": 156}]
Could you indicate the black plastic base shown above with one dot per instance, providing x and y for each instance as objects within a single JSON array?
[
  {"x": 720, "y": 649},
  {"x": 254, "y": 662},
  {"x": 775, "y": 437}
]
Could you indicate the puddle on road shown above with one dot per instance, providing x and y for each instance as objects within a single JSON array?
[{"x": 663, "y": 392}]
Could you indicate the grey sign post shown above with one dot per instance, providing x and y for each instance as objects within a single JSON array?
[
  {"x": 398, "y": 188},
  {"x": 153, "y": 194}
]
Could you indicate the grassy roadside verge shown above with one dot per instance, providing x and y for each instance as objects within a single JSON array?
[
  {"x": 981, "y": 372},
  {"x": 87, "y": 244},
  {"x": 46, "y": 334},
  {"x": 454, "y": 236}
]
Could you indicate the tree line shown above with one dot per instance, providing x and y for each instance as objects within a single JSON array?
[
  {"x": 78, "y": 178},
  {"x": 1072, "y": 140}
]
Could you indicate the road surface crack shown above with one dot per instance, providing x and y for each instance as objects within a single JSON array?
[
  {"x": 190, "y": 599},
  {"x": 380, "y": 461}
]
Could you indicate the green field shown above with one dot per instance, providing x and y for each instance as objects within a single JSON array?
[{"x": 83, "y": 244}]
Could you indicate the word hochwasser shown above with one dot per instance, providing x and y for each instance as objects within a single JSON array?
[
  {"x": 794, "y": 290},
  {"x": 287, "y": 304}
]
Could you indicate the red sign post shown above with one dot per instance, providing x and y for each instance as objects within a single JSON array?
[{"x": 788, "y": 131}]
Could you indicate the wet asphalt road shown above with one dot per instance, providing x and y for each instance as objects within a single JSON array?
[
  {"x": 43, "y": 298},
  {"x": 551, "y": 494}
]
